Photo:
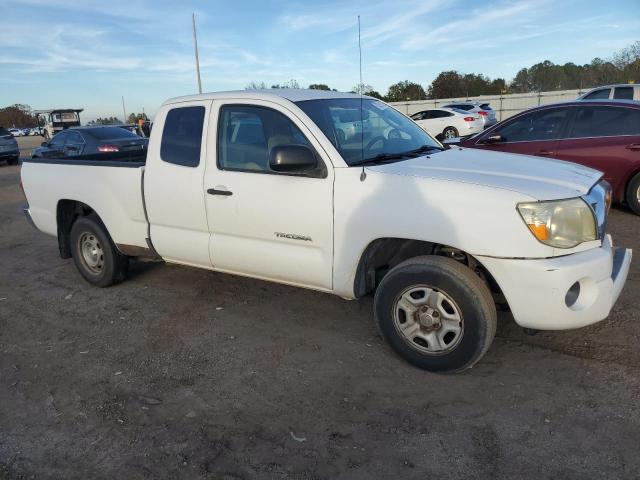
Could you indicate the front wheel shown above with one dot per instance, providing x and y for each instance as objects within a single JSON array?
[
  {"x": 633, "y": 194},
  {"x": 436, "y": 313},
  {"x": 94, "y": 254}
]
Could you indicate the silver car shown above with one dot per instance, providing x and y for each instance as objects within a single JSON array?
[
  {"x": 479, "y": 108},
  {"x": 9, "y": 151},
  {"x": 623, "y": 91}
]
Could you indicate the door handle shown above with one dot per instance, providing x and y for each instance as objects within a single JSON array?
[
  {"x": 633, "y": 146},
  {"x": 213, "y": 191},
  {"x": 545, "y": 153}
]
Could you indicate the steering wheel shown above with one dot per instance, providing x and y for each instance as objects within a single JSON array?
[
  {"x": 373, "y": 141},
  {"x": 394, "y": 134}
]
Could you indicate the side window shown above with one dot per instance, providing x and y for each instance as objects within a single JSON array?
[
  {"x": 540, "y": 125},
  {"x": 605, "y": 122},
  {"x": 58, "y": 140},
  {"x": 603, "y": 93},
  {"x": 428, "y": 115},
  {"x": 74, "y": 138},
  {"x": 182, "y": 136},
  {"x": 623, "y": 93},
  {"x": 246, "y": 135}
]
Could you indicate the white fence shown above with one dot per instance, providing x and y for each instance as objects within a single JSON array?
[{"x": 505, "y": 106}]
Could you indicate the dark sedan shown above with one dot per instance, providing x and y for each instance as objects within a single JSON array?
[
  {"x": 8, "y": 147},
  {"x": 93, "y": 143},
  {"x": 604, "y": 135}
]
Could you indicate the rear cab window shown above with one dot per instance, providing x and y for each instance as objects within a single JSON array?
[{"x": 182, "y": 136}]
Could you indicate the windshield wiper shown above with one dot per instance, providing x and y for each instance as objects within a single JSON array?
[
  {"x": 390, "y": 157},
  {"x": 382, "y": 158},
  {"x": 426, "y": 148}
]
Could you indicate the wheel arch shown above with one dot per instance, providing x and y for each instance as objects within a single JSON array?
[
  {"x": 382, "y": 254},
  {"x": 67, "y": 212}
]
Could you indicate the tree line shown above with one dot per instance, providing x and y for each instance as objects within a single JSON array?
[{"x": 622, "y": 67}]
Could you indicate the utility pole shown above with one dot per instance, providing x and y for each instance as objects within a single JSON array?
[
  {"x": 124, "y": 112},
  {"x": 195, "y": 45}
]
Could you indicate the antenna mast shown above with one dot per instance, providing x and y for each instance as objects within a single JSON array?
[{"x": 195, "y": 46}]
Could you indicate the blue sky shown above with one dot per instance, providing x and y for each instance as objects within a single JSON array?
[{"x": 87, "y": 54}]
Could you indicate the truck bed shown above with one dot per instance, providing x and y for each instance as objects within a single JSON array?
[{"x": 111, "y": 186}]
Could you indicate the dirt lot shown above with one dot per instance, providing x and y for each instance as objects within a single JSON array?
[{"x": 182, "y": 373}]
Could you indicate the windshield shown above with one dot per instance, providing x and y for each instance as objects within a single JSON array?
[{"x": 377, "y": 132}]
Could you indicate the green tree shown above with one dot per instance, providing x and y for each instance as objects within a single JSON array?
[
  {"x": 405, "y": 91},
  {"x": 134, "y": 117},
  {"x": 319, "y": 86},
  {"x": 18, "y": 116}
]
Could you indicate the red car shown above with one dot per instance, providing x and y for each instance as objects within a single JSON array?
[{"x": 604, "y": 135}]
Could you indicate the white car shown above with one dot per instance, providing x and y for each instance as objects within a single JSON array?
[
  {"x": 16, "y": 132},
  {"x": 256, "y": 183},
  {"x": 448, "y": 122}
]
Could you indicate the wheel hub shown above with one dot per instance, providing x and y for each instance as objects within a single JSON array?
[
  {"x": 91, "y": 252},
  {"x": 428, "y": 319}
]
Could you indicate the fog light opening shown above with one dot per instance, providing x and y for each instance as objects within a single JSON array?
[{"x": 572, "y": 295}]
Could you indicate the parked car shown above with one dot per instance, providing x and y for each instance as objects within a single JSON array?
[
  {"x": 35, "y": 131},
  {"x": 482, "y": 109},
  {"x": 258, "y": 184},
  {"x": 9, "y": 151},
  {"x": 604, "y": 135},
  {"x": 88, "y": 141},
  {"x": 448, "y": 122},
  {"x": 622, "y": 91},
  {"x": 16, "y": 132}
]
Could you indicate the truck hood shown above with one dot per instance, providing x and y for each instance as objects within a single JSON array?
[{"x": 539, "y": 178}]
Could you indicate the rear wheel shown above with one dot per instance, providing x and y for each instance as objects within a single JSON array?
[
  {"x": 94, "y": 254},
  {"x": 633, "y": 194},
  {"x": 450, "y": 132},
  {"x": 13, "y": 161},
  {"x": 436, "y": 313}
]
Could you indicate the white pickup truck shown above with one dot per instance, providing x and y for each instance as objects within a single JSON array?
[{"x": 259, "y": 183}]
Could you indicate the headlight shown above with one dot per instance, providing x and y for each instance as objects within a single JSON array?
[{"x": 560, "y": 223}]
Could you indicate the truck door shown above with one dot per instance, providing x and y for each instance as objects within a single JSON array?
[
  {"x": 263, "y": 223},
  {"x": 173, "y": 189}
]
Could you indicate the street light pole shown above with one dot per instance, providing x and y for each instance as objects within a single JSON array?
[
  {"x": 195, "y": 45},
  {"x": 124, "y": 112}
]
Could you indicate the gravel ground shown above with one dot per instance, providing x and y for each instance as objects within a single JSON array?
[{"x": 182, "y": 373}]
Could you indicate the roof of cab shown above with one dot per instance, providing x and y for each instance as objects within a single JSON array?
[{"x": 291, "y": 94}]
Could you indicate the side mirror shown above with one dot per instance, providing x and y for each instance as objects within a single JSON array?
[
  {"x": 493, "y": 139},
  {"x": 292, "y": 159},
  {"x": 43, "y": 144}
]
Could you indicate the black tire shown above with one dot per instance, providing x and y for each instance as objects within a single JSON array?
[
  {"x": 633, "y": 194},
  {"x": 450, "y": 132},
  {"x": 110, "y": 265},
  {"x": 469, "y": 296},
  {"x": 13, "y": 161}
]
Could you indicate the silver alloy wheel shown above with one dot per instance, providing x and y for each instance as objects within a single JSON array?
[
  {"x": 91, "y": 252},
  {"x": 638, "y": 193},
  {"x": 428, "y": 319},
  {"x": 449, "y": 133}
]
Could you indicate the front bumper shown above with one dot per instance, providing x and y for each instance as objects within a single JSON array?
[
  {"x": 9, "y": 154},
  {"x": 536, "y": 290}
]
